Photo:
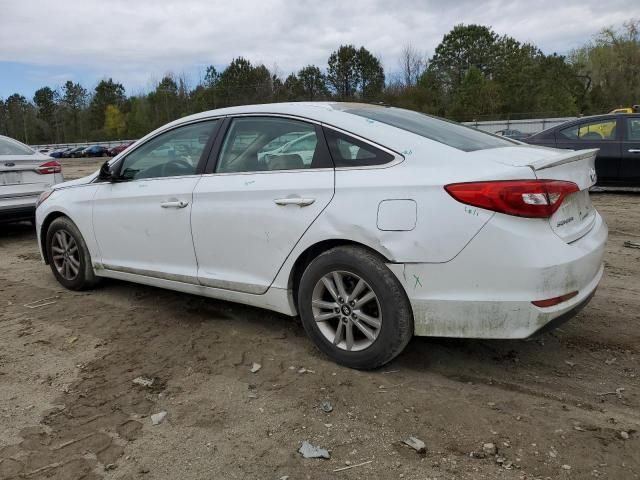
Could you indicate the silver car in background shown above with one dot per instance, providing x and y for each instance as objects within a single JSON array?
[{"x": 24, "y": 175}]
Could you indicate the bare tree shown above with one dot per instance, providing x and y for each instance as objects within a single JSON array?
[{"x": 412, "y": 64}]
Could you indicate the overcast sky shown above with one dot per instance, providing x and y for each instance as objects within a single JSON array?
[{"x": 46, "y": 42}]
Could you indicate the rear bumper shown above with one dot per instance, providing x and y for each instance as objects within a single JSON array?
[
  {"x": 17, "y": 214},
  {"x": 565, "y": 317},
  {"x": 487, "y": 290},
  {"x": 18, "y": 208}
]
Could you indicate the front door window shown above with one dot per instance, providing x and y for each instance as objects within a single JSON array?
[{"x": 170, "y": 154}]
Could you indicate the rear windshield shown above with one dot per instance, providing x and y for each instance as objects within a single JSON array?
[
  {"x": 12, "y": 147},
  {"x": 443, "y": 131}
]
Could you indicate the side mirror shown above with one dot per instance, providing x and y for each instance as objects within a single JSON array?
[{"x": 107, "y": 173}]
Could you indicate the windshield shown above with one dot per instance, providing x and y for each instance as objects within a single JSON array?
[
  {"x": 13, "y": 147},
  {"x": 443, "y": 131}
]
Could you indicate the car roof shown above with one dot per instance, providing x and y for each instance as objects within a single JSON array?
[
  {"x": 317, "y": 111},
  {"x": 328, "y": 113}
]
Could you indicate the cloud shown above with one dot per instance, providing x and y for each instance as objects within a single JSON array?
[{"x": 133, "y": 40}]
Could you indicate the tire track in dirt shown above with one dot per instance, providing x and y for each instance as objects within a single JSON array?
[
  {"x": 101, "y": 411},
  {"x": 94, "y": 420}
]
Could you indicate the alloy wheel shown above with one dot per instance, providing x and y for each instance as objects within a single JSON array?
[
  {"x": 66, "y": 255},
  {"x": 347, "y": 310}
]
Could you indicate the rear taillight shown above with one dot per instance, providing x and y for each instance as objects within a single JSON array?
[
  {"x": 49, "y": 167},
  {"x": 523, "y": 198}
]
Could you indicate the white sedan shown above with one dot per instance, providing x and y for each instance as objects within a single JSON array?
[
  {"x": 24, "y": 175},
  {"x": 401, "y": 224}
]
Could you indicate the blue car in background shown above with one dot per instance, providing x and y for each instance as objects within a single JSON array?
[
  {"x": 74, "y": 152},
  {"x": 60, "y": 153},
  {"x": 94, "y": 151}
]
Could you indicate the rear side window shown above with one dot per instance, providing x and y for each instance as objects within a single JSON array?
[
  {"x": 347, "y": 151},
  {"x": 443, "y": 131}
]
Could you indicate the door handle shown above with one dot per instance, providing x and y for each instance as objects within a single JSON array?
[
  {"x": 302, "y": 202},
  {"x": 174, "y": 204},
  {"x": 634, "y": 150}
]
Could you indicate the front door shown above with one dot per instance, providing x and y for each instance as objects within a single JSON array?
[
  {"x": 143, "y": 222},
  {"x": 258, "y": 199}
]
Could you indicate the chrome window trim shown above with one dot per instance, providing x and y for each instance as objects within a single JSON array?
[
  {"x": 267, "y": 172},
  {"x": 127, "y": 182},
  {"x": 397, "y": 157}
]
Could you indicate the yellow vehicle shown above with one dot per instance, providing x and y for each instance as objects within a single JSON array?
[
  {"x": 634, "y": 109},
  {"x": 605, "y": 130},
  {"x": 598, "y": 131}
]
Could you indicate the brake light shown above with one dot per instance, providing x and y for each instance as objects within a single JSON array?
[
  {"x": 522, "y": 198},
  {"x": 49, "y": 167},
  {"x": 550, "y": 302}
]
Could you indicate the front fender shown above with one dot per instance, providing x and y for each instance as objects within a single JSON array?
[{"x": 74, "y": 202}]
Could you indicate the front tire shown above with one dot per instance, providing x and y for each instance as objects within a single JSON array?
[
  {"x": 69, "y": 256},
  {"x": 354, "y": 308}
]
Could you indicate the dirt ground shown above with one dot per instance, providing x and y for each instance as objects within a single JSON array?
[{"x": 565, "y": 405}]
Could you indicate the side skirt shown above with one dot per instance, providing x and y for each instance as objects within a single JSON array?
[{"x": 276, "y": 299}]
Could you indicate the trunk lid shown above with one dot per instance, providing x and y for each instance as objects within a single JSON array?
[
  {"x": 576, "y": 216},
  {"x": 19, "y": 176}
]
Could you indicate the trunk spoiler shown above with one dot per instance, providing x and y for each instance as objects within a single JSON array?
[
  {"x": 574, "y": 166},
  {"x": 569, "y": 157}
]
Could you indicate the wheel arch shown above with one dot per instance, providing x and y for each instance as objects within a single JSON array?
[
  {"x": 311, "y": 252},
  {"x": 46, "y": 223}
]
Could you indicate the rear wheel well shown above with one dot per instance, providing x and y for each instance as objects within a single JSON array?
[
  {"x": 43, "y": 232},
  {"x": 312, "y": 252}
]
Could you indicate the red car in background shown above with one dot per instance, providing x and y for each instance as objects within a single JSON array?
[{"x": 113, "y": 151}]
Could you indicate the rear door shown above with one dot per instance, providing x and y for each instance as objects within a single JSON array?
[
  {"x": 630, "y": 165},
  {"x": 603, "y": 134},
  {"x": 255, "y": 201}
]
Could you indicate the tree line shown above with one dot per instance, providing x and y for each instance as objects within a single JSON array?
[{"x": 474, "y": 74}]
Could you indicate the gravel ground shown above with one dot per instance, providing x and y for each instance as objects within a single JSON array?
[{"x": 563, "y": 405}]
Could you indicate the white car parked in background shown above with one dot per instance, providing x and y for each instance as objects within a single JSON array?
[
  {"x": 400, "y": 224},
  {"x": 24, "y": 175}
]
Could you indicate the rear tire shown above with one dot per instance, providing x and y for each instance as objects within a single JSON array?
[
  {"x": 354, "y": 308},
  {"x": 69, "y": 256}
]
